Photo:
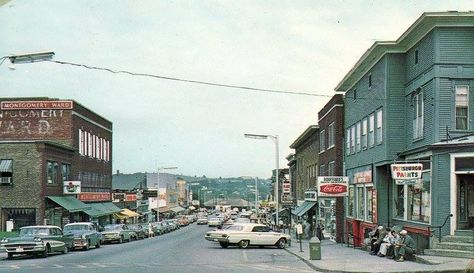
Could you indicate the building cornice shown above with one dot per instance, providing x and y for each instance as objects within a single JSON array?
[{"x": 312, "y": 129}]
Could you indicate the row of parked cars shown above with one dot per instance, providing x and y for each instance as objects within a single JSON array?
[{"x": 44, "y": 240}]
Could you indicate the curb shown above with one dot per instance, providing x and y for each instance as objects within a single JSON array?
[{"x": 316, "y": 268}]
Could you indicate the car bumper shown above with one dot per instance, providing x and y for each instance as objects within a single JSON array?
[
  {"x": 22, "y": 249},
  {"x": 80, "y": 242}
]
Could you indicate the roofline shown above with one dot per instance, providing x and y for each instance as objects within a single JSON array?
[
  {"x": 403, "y": 43},
  {"x": 311, "y": 129}
]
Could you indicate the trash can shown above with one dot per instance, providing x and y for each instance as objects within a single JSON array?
[{"x": 314, "y": 249}]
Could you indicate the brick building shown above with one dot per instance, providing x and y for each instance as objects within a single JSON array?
[{"x": 49, "y": 149}]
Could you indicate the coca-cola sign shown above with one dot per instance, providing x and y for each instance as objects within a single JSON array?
[{"x": 332, "y": 186}]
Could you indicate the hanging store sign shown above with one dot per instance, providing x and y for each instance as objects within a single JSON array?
[
  {"x": 94, "y": 196},
  {"x": 332, "y": 186},
  {"x": 286, "y": 186},
  {"x": 72, "y": 187},
  {"x": 406, "y": 173}
]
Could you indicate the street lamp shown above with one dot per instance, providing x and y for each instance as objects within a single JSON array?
[
  {"x": 275, "y": 140},
  {"x": 158, "y": 190},
  {"x": 27, "y": 58}
]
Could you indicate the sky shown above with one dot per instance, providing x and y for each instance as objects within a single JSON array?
[{"x": 295, "y": 46}]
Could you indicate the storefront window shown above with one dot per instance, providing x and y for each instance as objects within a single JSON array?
[
  {"x": 350, "y": 203},
  {"x": 399, "y": 201},
  {"x": 369, "y": 202},
  {"x": 360, "y": 203},
  {"x": 419, "y": 199}
]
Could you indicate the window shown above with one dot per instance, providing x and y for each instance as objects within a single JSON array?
[
  {"x": 418, "y": 115},
  {"x": 399, "y": 201},
  {"x": 371, "y": 130},
  {"x": 65, "y": 172},
  {"x": 370, "y": 81},
  {"x": 52, "y": 172},
  {"x": 357, "y": 137},
  {"x": 364, "y": 134},
  {"x": 81, "y": 142},
  {"x": 332, "y": 168},
  {"x": 322, "y": 142},
  {"x": 350, "y": 202},
  {"x": 331, "y": 135},
  {"x": 355, "y": 94},
  {"x": 352, "y": 139},
  {"x": 416, "y": 56},
  {"x": 369, "y": 191},
  {"x": 419, "y": 199},
  {"x": 462, "y": 107},
  {"x": 360, "y": 202},
  {"x": 6, "y": 171},
  {"x": 379, "y": 126},
  {"x": 322, "y": 170},
  {"x": 348, "y": 141}
]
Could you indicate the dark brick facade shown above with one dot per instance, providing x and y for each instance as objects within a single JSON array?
[{"x": 33, "y": 137}]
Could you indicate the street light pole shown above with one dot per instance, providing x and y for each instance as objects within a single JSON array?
[
  {"x": 277, "y": 182},
  {"x": 256, "y": 194},
  {"x": 158, "y": 190}
]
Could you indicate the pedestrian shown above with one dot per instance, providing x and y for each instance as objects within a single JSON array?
[
  {"x": 307, "y": 229},
  {"x": 377, "y": 240},
  {"x": 386, "y": 242},
  {"x": 319, "y": 231},
  {"x": 406, "y": 246}
]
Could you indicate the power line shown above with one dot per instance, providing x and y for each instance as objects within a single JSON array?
[{"x": 190, "y": 81}]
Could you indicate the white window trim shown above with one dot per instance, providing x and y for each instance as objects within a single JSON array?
[
  {"x": 331, "y": 135},
  {"x": 455, "y": 106},
  {"x": 379, "y": 126},
  {"x": 322, "y": 141}
]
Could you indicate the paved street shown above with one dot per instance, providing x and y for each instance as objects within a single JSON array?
[{"x": 184, "y": 250}]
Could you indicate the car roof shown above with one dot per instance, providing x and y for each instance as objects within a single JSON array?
[
  {"x": 79, "y": 223},
  {"x": 41, "y": 227}
]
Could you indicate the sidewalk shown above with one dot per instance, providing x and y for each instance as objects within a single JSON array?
[{"x": 340, "y": 258}]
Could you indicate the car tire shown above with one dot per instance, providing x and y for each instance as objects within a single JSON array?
[
  {"x": 224, "y": 245},
  {"x": 281, "y": 244},
  {"x": 45, "y": 253},
  {"x": 98, "y": 244},
  {"x": 244, "y": 244},
  {"x": 9, "y": 256},
  {"x": 120, "y": 240},
  {"x": 65, "y": 250}
]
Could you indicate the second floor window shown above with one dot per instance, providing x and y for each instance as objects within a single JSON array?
[
  {"x": 332, "y": 168},
  {"x": 418, "y": 115},
  {"x": 364, "y": 134},
  {"x": 6, "y": 171},
  {"x": 352, "y": 138},
  {"x": 331, "y": 135},
  {"x": 358, "y": 137},
  {"x": 348, "y": 141},
  {"x": 65, "y": 171},
  {"x": 322, "y": 141},
  {"x": 462, "y": 107},
  {"x": 52, "y": 172},
  {"x": 379, "y": 126},
  {"x": 371, "y": 130}
]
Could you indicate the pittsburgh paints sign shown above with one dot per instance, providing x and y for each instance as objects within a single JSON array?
[
  {"x": 332, "y": 186},
  {"x": 406, "y": 171}
]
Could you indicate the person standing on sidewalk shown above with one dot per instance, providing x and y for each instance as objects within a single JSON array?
[{"x": 406, "y": 246}]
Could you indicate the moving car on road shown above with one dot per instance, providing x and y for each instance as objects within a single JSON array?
[
  {"x": 85, "y": 235},
  {"x": 37, "y": 240},
  {"x": 246, "y": 234},
  {"x": 118, "y": 233}
]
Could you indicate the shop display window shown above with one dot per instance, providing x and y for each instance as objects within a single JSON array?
[
  {"x": 360, "y": 203},
  {"x": 399, "y": 201},
  {"x": 350, "y": 203},
  {"x": 369, "y": 202},
  {"x": 419, "y": 199}
]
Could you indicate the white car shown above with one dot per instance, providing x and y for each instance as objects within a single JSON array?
[
  {"x": 246, "y": 234},
  {"x": 202, "y": 221},
  {"x": 213, "y": 222}
]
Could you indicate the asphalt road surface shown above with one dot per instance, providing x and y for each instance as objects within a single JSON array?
[{"x": 184, "y": 250}]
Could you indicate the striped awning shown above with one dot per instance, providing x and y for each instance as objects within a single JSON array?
[{"x": 6, "y": 166}]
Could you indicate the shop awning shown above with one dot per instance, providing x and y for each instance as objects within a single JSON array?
[
  {"x": 70, "y": 203},
  {"x": 307, "y": 205},
  {"x": 6, "y": 166},
  {"x": 102, "y": 209},
  {"x": 126, "y": 213},
  {"x": 177, "y": 209}
]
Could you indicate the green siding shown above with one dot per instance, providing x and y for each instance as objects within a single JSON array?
[
  {"x": 426, "y": 57},
  {"x": 440, "y": 190},
  {"x": 395, "y": 124},
  {"x": 456, "y": 45}
]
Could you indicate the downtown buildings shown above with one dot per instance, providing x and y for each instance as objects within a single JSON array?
[
  {"x": 55, "y": 163},
  {"x": 408, "y": 106}
]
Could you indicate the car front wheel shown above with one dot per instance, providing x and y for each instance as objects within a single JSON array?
[
  {"x": 244, "y": 244},
  {"x": 281, "y": 243},
  {"x": 224, "y": 245}
]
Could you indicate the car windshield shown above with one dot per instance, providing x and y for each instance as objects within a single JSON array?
[
  {"x": 34, "y": 231},
  {"x": 112, "y": 227},
  {"x": 76, "y": 227}
]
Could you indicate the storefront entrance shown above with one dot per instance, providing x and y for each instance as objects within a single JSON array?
[{"x": 465, "y": 201}]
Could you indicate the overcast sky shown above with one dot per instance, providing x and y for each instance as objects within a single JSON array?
[{"x": 297, "y": 46}]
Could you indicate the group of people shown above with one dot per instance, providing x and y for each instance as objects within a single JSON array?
[{"x": 388, "y": 243}]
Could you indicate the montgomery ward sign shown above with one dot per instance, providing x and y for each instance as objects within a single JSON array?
[
  {"x": 406, "y": 172},
  {"x": 22, "y": 105},
  {"x": 332, "y": 186}
]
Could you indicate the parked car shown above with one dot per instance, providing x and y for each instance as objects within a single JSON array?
[
  {"x": 138, "y": 229},
  {"x": 201, "y": 221},
  {"x": 85, "y": 234},
  {"x": 37, "y": 240},
  {"x": 173, "y": 224},
  {"x": 159, "y": 228},
  {"x": 149, "y": 229},
  {"x": 246, "y": 234},
  {"x": 118, "y": 233},
  {"x": 182, "y": 220},
  {"x": 213, "y": 222}
]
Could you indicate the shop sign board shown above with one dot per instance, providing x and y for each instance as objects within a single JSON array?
[
  {"x": 406, "y": 174},
  {"x": 332, "y": 186},
  {"x": 72, "y": 187},
  {"x": 49, "y": 104},
  {"x": 94, "y": 196},
  {"x": 286, "y": 186}
]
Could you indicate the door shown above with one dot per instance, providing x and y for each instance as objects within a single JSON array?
[
  {"x": 465, "y": 202},
  {"x": 470, "y": 204}
]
